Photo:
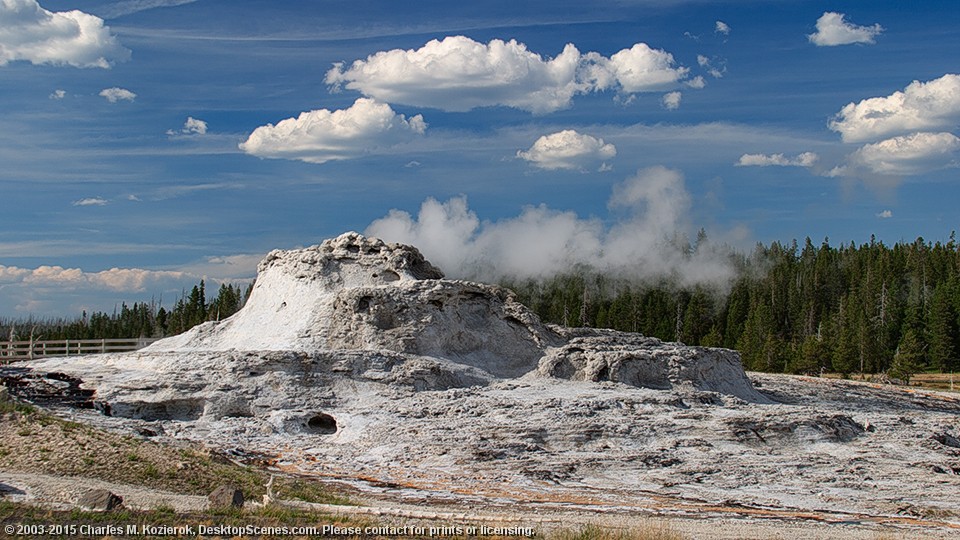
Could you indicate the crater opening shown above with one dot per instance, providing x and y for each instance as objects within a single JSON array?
[{"x": 322, "y": 424}]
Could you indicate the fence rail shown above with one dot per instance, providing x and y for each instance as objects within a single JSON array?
[{"x": 28, "y": 350}]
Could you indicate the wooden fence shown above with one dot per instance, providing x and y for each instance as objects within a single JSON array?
[{"x": 28, "y": 350}]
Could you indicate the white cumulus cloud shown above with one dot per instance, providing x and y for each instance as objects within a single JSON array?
[
  {"x": 912, "y": 154},
  {"x": 460, "y": 74},
  {"x": 833, "y": 30},
  {"x": 722, "y": 28},
  {"x": 671, "y": 100},
  {"x": 192, "y": 126},
  {"x": 58, "y": 94},
  {"x": 116, "y": 94},
  {"x": 885, "y": 214},
  {"x": 637, "y": 69},
  {"x": 42, "y": 289},
  {"x": 696, "y": 82},
  {"x": 920, "y": 106},
  {"x": 567, "y": 149},
  {"x": 114, "y": 279},
  {"x": 30, "y": 33},
  {"x": 323, "y": 135},
  {"x": 806, "y": 159},
  {"x": 716, "y": 72}
]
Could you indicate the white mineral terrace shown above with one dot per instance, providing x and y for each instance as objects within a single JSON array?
[{"x": 355, "y": 360}]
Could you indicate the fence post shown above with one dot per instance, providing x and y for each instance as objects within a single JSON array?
[{"x": 103, "y": 345}]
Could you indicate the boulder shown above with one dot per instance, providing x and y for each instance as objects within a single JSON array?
[
  {"x": 99, "y": 500},
  {"x": 226, "y": 497}
]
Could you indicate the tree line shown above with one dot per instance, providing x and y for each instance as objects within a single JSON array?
[
  {"x": 140, "y": 319},
  {"x": 868, "y": 308}
]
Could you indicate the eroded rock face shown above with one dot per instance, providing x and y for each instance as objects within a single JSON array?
[
  {"x": 357, "y": 311},
  {"x": 358, "y": 293},
  {"x": 607, "y": 355},
  {"x": 354, "y": 293}
]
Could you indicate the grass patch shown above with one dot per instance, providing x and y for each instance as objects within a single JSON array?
[
  {"x": 651, "y": 531},
  {"x": 27, "y": 516},
  {"x": 307, "y": 491},
  {"x": 10, "y": 406},
  {"x": 29, "y": 434}
]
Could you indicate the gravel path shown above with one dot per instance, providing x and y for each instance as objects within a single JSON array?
[{"x": 62, "y": 492}]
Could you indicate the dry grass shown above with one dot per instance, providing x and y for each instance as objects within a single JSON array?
[
  {"x": 653, "y": 531},
  {"x": 948, "y": 382},
  {"x": 67, "y": 524},
  {"x": 937, "y": 381},
  {"x": 33, "y": 441}
]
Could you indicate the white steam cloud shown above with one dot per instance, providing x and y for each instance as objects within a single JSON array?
[{"x": 652, "y": 208}]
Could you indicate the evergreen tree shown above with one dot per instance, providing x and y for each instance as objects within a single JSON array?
[
  {"x": 941, "y": 329},
  {"x": 908, "y": 360}
]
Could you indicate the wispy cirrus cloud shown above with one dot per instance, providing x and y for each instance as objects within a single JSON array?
[
  {"x": 91, "y": 201},
  {"x": 129, "y": 7},
  {"x": 30, "y": 33}
]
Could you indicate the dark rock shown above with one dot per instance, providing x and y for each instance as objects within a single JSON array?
[
  {"x": 51, "y": 389},
  {"x": 225, "y": 497},
  {"x": 100, "y": 500},
  {"x": 145, "y": 431},
  {"x": 947, "y": 440}
]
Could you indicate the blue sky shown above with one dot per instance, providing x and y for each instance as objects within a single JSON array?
[{"x": 148, "y": 143}]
